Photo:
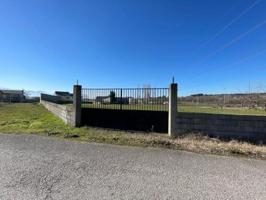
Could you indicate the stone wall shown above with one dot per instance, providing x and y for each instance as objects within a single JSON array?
[
  {"x": 62, "y": 111},
  {"x": 252, "y": 128}
]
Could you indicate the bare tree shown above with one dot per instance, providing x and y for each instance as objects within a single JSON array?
[{"x": 147, "y": 93}]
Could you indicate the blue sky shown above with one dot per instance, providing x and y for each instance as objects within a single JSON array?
[{"x": 209, "y": 46}]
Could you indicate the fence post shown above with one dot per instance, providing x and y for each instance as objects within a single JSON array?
[
  {"x": 77, "y": 105},
  {"x": 172, "y": 112}
]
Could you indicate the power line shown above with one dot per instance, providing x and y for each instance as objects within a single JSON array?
[
  {"x": 249, "y": 57},
  {"x": 261, "y": 52},
  {"x": 230, "y": 23},
  {"x": 243, "y": 59},
  {"x": 239, "y": 37}
]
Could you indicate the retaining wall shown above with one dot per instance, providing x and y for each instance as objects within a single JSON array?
[
  {"x": 252, "y": 128},
  {"x": 63, "y": 112}
]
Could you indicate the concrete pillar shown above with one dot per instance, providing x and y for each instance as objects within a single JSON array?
[
  {"x": 77, "y": 105},
  {"x": 172, "y": 112}
]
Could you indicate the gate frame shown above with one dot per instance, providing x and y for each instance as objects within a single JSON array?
[
  {"x": 77, "y": 105},
  {"x": 172, "y": 111}
]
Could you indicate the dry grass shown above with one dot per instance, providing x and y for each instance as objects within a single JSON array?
[
  {"x": 191, "y": 142},
  {"x": 197, "y": 143}
]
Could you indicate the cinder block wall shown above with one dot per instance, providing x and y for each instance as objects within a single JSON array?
[
  {"x": 63, "y": 112},
  {"x": 252, "y": 128}
]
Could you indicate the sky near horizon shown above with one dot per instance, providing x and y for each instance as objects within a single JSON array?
[{"x": 208, "y": 46}]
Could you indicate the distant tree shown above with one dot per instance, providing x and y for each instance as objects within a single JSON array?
[
  {"x": 26, "y": 94},
  {"x": 147, "y": 92},
  {"x": 197, "y": 95},
  {"x": 112, "y": 97}
]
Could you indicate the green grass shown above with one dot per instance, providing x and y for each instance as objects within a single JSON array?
[
  {"x": 35, "y": 119},
  {"x": 29, "y": 118},
  {"x": 191, "y": 109},
  {"x": 216, "y": 110},
  {"x": 127, "y": 107}
]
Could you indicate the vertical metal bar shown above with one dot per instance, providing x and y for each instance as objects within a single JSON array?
[
  {"x": 128, "y": 94},
  {"x": 135, "y": 98},
  {"x": 121, "y": 99},
  {"x": 117, "y": 101},
  {"x": 125, "y": 96},
  {"x": 157, "y": 99},
  {"x": 100, "y": 94},
  {"x": 141, "y": 97},
  {"x": 160, "y": 96}
]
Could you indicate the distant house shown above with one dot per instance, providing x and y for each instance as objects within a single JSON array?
[
  {"x": 102, "y": 99},
  {"x": 12, "y": 96},
  {"x": 117, "y": 100},
  {"x": 64, "y": 96},
  {"x": 124, "y": 100}
]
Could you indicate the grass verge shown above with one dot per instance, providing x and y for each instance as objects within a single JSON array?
[{"x": 35, "y": 119}]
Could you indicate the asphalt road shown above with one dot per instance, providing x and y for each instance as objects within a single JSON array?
[{"x": 33, "y": 167}]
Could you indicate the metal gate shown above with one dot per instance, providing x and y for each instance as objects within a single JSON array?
[{"x": 143, "y": 109}]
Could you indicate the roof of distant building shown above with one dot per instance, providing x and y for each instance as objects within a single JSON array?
[
  {"x": 61, "y": 93},
  {"x": 12, "y": 92}
]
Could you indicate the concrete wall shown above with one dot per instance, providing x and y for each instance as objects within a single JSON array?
[
  {"x": 63, "y": 112},
  {"x": 252, "y": 128}
]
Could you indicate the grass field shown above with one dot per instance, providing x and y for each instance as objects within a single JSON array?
[
  {"x": 35, "y": 119},
  {"x": 29, "y": 118},
  {"x": 216, "y": 110},
  {"x": 196, "y": 109}
]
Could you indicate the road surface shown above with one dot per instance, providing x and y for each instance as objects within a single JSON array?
[{"x": 34, "y": 167}]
